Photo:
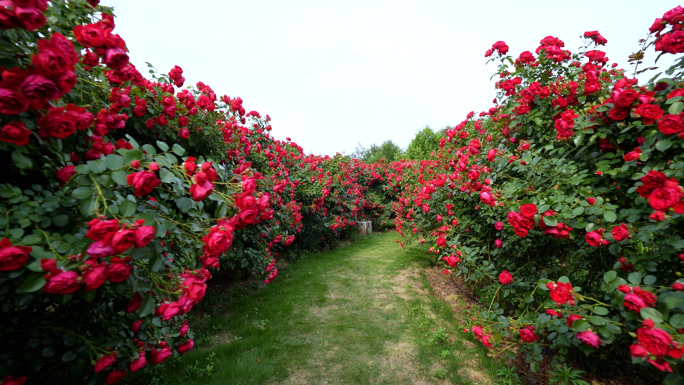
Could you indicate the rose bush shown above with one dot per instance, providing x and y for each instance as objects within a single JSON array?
[
  {"x": 121, "y": 196},
  {"x": 571, "y": 184}
]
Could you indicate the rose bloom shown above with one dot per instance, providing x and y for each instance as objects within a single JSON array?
[
  {"x": 656, "y": 341},
  {"x": 9, "y": 380},
  {"x": 138, "y": 363},
  {"x": 94, "y": 277},
  {"x": 505, "y": 277},
  {"x": 560, "y": 293},
  {"x": 634, "y": 302},
  {"x": 528, "y": 210},
  {"x": 15, "y": 133},
  {"x": 527, "y": 335},
  {"x": 649, "y": 113},
  {"x": 620, "y": 233},
  {"x": 143, "y": 182},
  {"x": 498, "y": 243},
  {"x": 571, "y": 319},
  {"x": 12, "y": 257},
  {"x": 486, "y": 198},
  {"x": 104, "y": 362},
  {"x": 184, "y": 348},
  {"x": 114, "y": 376},
  {"x": 12, "y": 102},
  {"x": 633, "y": 155},
  {"x": 498, "y": 226},
  {"x": 626, "y": 98},
  {"x": 65, "y": 173},
  {"x": 670, "y": 125},
  {"x": 594, "y": 238},
  {"x": 589, "y": 338},
  {"x": 662, "y": 199},
  {"x": 118, "y": 270},
  {"x": 62, "y": 283},
  {"x": 161, "y": 355}
]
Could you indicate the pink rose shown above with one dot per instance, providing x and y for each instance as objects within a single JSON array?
[
  {"x": 634, "y": 302},
  {"x": 498, "y": 243},
  {"x": 589, "y": 338},
  {"x": 498, "y": 226}
]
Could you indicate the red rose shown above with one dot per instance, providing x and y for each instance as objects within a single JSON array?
[
  {"x": 104, "y": 362},
  {"x": 9, "y": 380},
  {"x": 118, "y": 270},
  {"x": 94, "y": 277},
  {"x": 114, "y": 376},
  {"x": 15, "y": 133},
  {"x": 66, "y": 47},
  {"x": 651, "y": 181},
  {"x": 247, "y": 217},
  {"x": 12, "y": 257},
  {"x": 521, "y": 232},
  {"x": 595, "y": 238},
  {"x": 89, "y": 35},
  {"x": 115, "y": 58},
  {"x": 498, "y": 243},
  {"x": 673, "y": 42},
  {"x": 618, "y": 113},
  {"x": 184, "y": 348},
  {"x": 571, "y": 319},
  {"x": 133, "y": 305},
  {"x": 505, "y": 277},
  {"x": 626, "y": 98},
  {"x": 58, "y": 123},
  {"x": 486, "y": 198},
  {"x": 143, "y": 182},
  {"x": 138, "y": 363},
  {"x": 633, "y": 302},
  {"x": 12, "y": 102},
  {"x": 649, "y": 113},
  {"x": 199, "y": 192},
  {"x": 670, "y": 125},
  {"x": 30, "y": 18},
  {"x": 50, "y": 62},
  {"x": 144, "y": 235},
  {"x": 527, "y": 334},
  {"x": 620, "y": 233},
  {"x": 656, "y": 341},
  {"x": 662, "y": 199},
  {"x": 62, "y": 283},
  {"x": 100, "y": 229},
  {"x": 65, "y": 173},
  {"x": 218, "y": 240},
  {"x": 39, "y": 89},
  {"x": 561, "y": 293},
  {"x": 161, "y": 355},
  {"x": 589, "y": 338},
  {"x": 633, "y": 155},
  {"x": 528, "y": 210},
  {"x": 123, "y": 240}
]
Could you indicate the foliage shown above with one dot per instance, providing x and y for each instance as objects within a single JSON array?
[
  {"x": 425, "y": 144},
  {"x": 562, "y": 205}
]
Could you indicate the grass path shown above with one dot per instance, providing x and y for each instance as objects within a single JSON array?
[{"x": 362, "y": 314}]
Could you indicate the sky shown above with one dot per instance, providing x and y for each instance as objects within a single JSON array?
[{"x": 336, "y": 74}]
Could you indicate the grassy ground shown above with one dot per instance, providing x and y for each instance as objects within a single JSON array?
[{"x": 362, "y": 314}]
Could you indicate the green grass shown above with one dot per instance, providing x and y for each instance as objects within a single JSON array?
[{"x": 357, "y": 315}]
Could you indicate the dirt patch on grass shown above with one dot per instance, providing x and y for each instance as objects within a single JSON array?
[{"x": 405, "y": 282}]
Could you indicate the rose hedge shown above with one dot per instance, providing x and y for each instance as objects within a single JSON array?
[
  {"x": 119, "y": 194},
  {"x": 562, "y": 205}
]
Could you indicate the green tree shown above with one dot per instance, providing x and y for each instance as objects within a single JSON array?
[{"x": 425, "y": 143}]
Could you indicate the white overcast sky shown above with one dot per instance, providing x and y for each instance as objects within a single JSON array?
[{"x": 332, "y": 74}]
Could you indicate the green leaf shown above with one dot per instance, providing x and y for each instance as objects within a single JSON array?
[
  {"x": 673, "y": 300},
  {"x": 163, "y": 146},
  {"x": 598, "y": 320},
  {"x": 87, "y": 206},
  {"x": 178, "y": 150},
  {"x": 31, "y": 240},
  {"x": 184, "y": 204},
  {"x": 33, "y": 283},
  {"x": 166, "y": 176},
  {"x": 677, "y": 321},
  {"x": 649, "y": 280},
  {"x": 634, "y": 278},
  {"x": 610, "y": 216},
  {"x": 82, "y": 169},
  {"x": 120, "y": 177},
  {"x": 149, "y": 149},
  {"x": 580, "y": 325},
  {"x": 49, "y": 351},
  {"x": 114, "y": 162},
  {"x": 663, "y": 145},
  {"x": 676, "y": 108},
  {"x": 132, "y": 155},
  {"x": 127, "y": 208},
  {"x": 599, "y": 310},
  {"x": 147, "y": 305},
  {"x": 610, "y": 276},
  {"x": 82, "y": 192},
  {"x": 21, "y": 161},
  {"x": 69, "y": 356},
  {"x": 652, "y": 314},
  {"x": 98, "y": 166},
  {"x": 578, "y": 211},
  {"x": 550, "y": 221},
  {"x": 534, "y": 367}
]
